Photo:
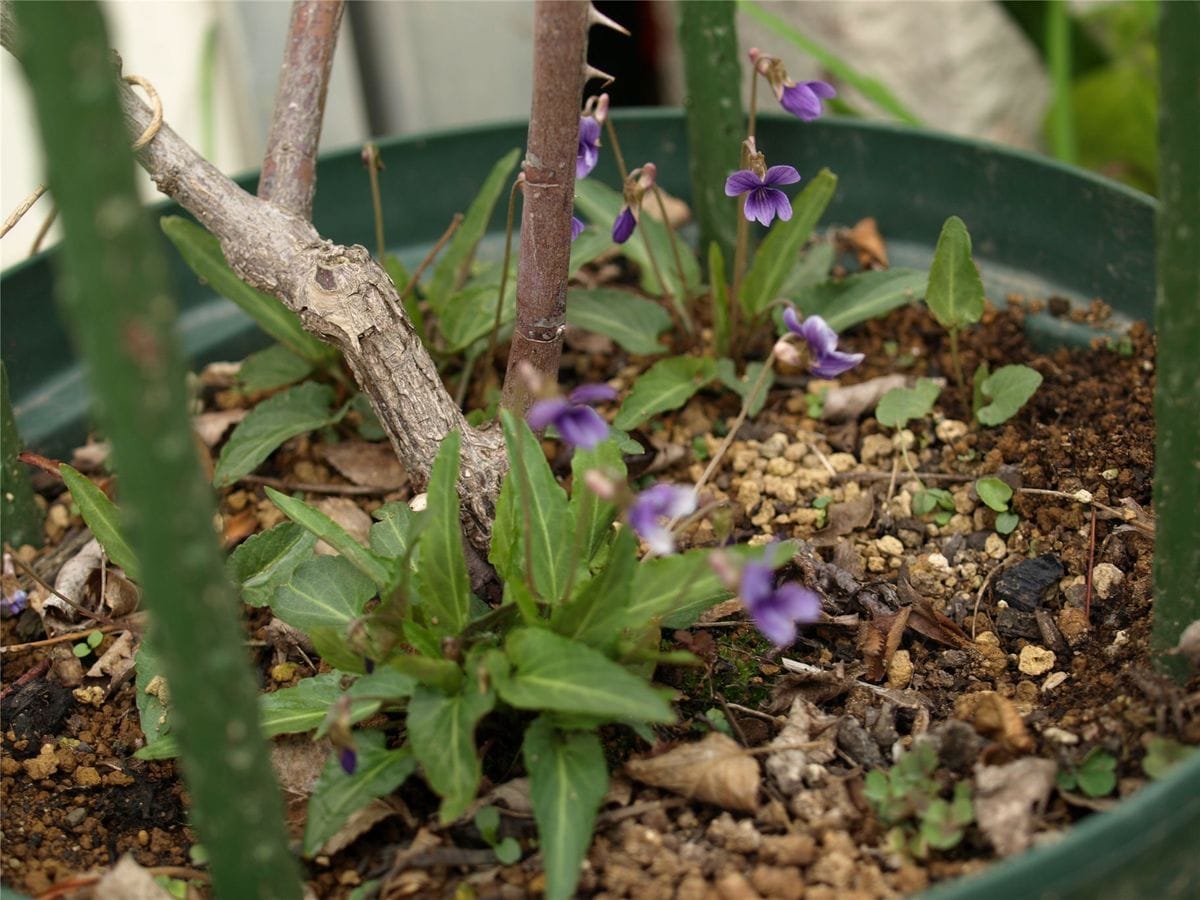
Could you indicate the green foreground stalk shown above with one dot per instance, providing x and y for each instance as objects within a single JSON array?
[
  {"x": 113, "y": 290},
  {"x": 1177, "y": 323}
]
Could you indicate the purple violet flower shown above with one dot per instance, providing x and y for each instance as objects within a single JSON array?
[
  {"x": 348, "y": 760},
  {"x": 589, "y": 146},
  {"x": 575, "y": 420},
  {"x": 803, "y": 100},
  {"x": 14, "y": 604},
  {"x": 623, "y": 226},
  {"x": 776, "y": 610},
  {"x": 577, "y": 226},
  {"x": 825, "y": 360},
  {"x": 661, "y": 501},
  {"x": 765, "y": 201}
]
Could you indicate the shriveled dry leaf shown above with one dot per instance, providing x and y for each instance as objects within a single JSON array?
[
  {"x": 283, "y": 637},
  {"x": 90, "y": 458},
  {"x": 1008, "y": 798},
  {"x": 239, "y": 526},
  {"x": 848, "y": 516},
  {"x": 816, "y": 686},
  {"x": 1137, "y": 518},
  {"x": 127, "y": 880},
  {"x": 513, "y": 795},
  {"x": 121, "y": 595},
  {"x": 366, "y": 463},
  {"x": 349, "y": 515},
  {"x": 298, "y": 761},
  {"x": 210, "y": 427},
  {"x": 722, "y": 610},
  {"x": 994, "y": 716},
  {"x": 879, "y": 638},
  {"x": 360, "y": 822},
  {"x": 867, "y": 243},
  {"x": 678, "y": 212},
  {"x": 75, "y": 581},
  {"x": 716, "y": 770},
  {"x": 853, "y": 400},
  {"x": 117, "y": 659},
  {"x": 937, "y": 626},
  {"x": 808, "y": 740}
]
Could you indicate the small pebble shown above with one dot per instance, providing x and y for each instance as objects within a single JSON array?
[
  {"x": 75, "y": 816},
  {"x": 1035, "y": 660},
  {"x": 1026, "y": 583},
  {"x": 900, "y": 670},
  {"x": 875, "y": 447},
  {"x": 1060, "y": 735},
  {"x": 995, "y": 547},
  {"x": 1053, "y": 680},
  {"x": 889, "y": 545},
  {"x": 950, "y": 430},
  {"x": 1106, "y": 578}
]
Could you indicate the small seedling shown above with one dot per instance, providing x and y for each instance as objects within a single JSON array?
[
  {"x": 900, "y": 405},
  {"x": 997, "y": 495},
  {"x": 926, "y": 501},
  {"x": 998, "y": 395},
  {"x": 821, "y": 504},
  {"x": 507, "y": 850},
  {"x": 700, "y": 447},
  {"x": 955, "y": 292},
  {"x": 907, "y": 798},
  {"x": 85, "y": 647},
  {"x": 815, "y": 403},
  {"x": 1095, "y": 776},
  {"x": 1162, "y": 753}
]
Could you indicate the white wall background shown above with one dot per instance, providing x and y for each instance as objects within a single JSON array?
[{"x": 958, "y": 64}]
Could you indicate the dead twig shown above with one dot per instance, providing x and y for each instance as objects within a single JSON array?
[
  {"x": 349, "y": 490},
  {"x": 131, "y": 623},
  {"x": 1087, "y": 594}
]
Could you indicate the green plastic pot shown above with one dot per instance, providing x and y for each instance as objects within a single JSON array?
[{"x": 1039, "y": 229}]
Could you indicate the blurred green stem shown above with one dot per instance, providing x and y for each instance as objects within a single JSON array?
[
  {"x": 1177, "y": 322},
  {"x": 114, "y": 289},
  {"x": 20, "y": 516},
  {"x": 1058, "y": 60}
]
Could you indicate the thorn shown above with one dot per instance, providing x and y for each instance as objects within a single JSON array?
[
  {"x": 595, "y": 17},
  {"x": 590, "y": 72}
]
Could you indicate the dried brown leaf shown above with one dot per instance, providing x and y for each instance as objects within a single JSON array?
[
  {"x": 127, "y": 880},
  {"x": 807, "y": 740},
  {"x": 116, "y": 660},
  {"x": 868, "y": 245},
  {"x": 849, "y": 516},
  {"x": 851, "y": 401},
  {"x": 879, "y": 638},
  {"x": 996, "y": 717},
  {"x": 817, "y": 687},
  {"x": 715, "y": 770},
  {"x": 210, "y": 427},
  {"x": 366, "y": 463},
  {"x": 360, "y": 822},
  {"x": 349, "y": 515},
  {"x": 1008, "y": 799}
]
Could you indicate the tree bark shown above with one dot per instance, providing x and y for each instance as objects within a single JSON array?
[
  {"x": 559, "y": 51},
  {"x": 289, "y": 169}
]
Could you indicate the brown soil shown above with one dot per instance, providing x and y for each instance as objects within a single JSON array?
[{"x": 1040, "y": 677}]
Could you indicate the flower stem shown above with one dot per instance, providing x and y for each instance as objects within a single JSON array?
[
  {"x": 508, "y": 234},
  {"x": 622, "y": 170},
  {"x": 741, "y": 249},
  {"x": 958, "y": 372},
  {"x": 371, "y": 154},
  {"x": 682, "y": 305}
]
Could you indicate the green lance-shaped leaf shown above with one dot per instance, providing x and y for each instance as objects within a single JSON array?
[
  {"x": 1005, "y": 391},
  {"x": 266, "y": 560},
  {"x": 719, "y": 289},
  {"x": 1177, "y": 322},
  {"x": 391, "y": 534},
  {"x": 441, "y": 731},
  {"x": 713, "y": 76},
  {"x": 899, "y": 405},
  {"x": 780, "y": 250},
  {"x": 551, "y": 672},
  {"x": 601, "y": 204},
  {"x": 568, "y": 778},
  {"x": 542, "y": 516},
  {"x": 336, "y": 795},
  {"x": 442, "y": 575},
  {"x": 202, "y": 252},
  {"x": 593, "y": 516},
  {"x": 598, "y": 614},
  {"x": 666, "y": 385},
  {"x": 20, "y": 516},
  {"x": 125, "y": 318},
  {"x": 291, "y": 710},
  {"x": 451, "y": 271},
  {"x": 955, "y": 291},
  {"x": 505, "y": 551},
  {"x": 102, "y": 518},
  {"x": 861, "y": 296},
  {"x": 873, "y": 90},
  {"x": 634, "y": 322},
  {"x": 378, "y": 570},
  {"x": 275, "y": 367},
  {"x": 296, "y": 411},
  {"x": 324, "y": 592}
]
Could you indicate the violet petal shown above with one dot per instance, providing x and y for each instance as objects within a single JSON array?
[
  {"x": 821, "y": 339},
  {"x": 623, "y": 226},
  {"x": 592, "y": 393},
  {"x": 581, "y": 426},
  {"x": 781, "y": 175},
  {"x": 545, "y": 412},
  {"x": 740, "y": 182}
]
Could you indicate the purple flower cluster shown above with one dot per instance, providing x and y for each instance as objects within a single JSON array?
[
  {"x": 572, "y": 416},
  {"x": 662, "y": 501},
  {"x": 776, "y": 611},
  {"x": 825, "y": 360}
]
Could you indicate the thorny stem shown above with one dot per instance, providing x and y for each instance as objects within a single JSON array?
[
  {"x": 371, "y": 158},
  {"x": 560, "y": 45},
  {"x": 508, "y": 235},
  {"x": 289, "y": 169},
  {"x": 682, "y": 305}
]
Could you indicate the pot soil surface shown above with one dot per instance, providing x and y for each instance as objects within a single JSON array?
[{"x": 1017, "y": 656}]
